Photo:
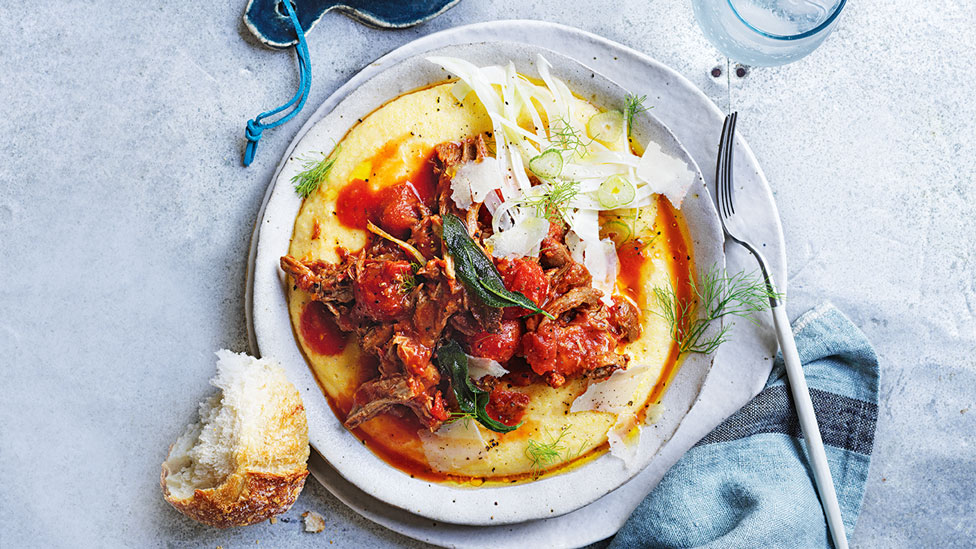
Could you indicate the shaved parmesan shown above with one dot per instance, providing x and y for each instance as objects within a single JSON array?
[
  {"x": 665, "y": 174},
  {"x": 460, "y": 90},
  {"x": 616, "y": 396},
  {"x": 612, "y": 395},
  {"x": 624, "y": 438},
  {"x": 453, "y": 446},
  {"x": 653, "y": 413},
  {"x": 585, "y": 224},
  {"x": 474, "y": 181},
  {"x": 524, "y": 239},
  {"x": 479, "y": 367},
  {"x": 600, "y": 259}
]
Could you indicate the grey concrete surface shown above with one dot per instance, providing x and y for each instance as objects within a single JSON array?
[{"x": 125, "y": 217}]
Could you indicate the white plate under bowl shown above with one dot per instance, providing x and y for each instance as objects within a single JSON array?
[
  {"x": 741, "y": 366},
  {"x": 547, "y": 497}
]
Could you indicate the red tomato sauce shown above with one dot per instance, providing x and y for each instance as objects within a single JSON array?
[
  {"x": 391, "y": 207},
  {"x": 320, "y": 331},
  {"x": 631, "y": 258},
  {"x": 681, "y": 271}
]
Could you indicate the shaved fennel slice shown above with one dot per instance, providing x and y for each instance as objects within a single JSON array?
[
  {"x": 505, "y": 216},
  {"x": 613, "y": 157},
  {"x": 562, "y": 94},
  {"x": 524, "y": 239},
  {"x": 494, "y": 74},
  {"x": 591, "y": 170},
  {"x": 518, "y": 169},
  {"x": 493, "y": 201},
  {"x": 562, "y": 107},
  {"x": 454, "y": 445},
  {"x": 474, "y": 181},
  {"x": 524, "y": 96},
  {"x": 665, "y": 174},
  {"x": 479, "y": 367},
  {"x": 473, "y": 77},
  {"x": 514, "y": 130},
  {"x": 511, "y": 186},
  {"x": 510, "y": 107},
  {"x": 587, "y": 202}
]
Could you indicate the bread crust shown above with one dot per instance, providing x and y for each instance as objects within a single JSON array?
[{"x": 243, "y": 498}]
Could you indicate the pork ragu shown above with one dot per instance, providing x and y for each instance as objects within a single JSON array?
[{"x": 402, "y": 310}]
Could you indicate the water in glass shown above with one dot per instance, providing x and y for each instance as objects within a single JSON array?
[{"x": 766, "y": 32}]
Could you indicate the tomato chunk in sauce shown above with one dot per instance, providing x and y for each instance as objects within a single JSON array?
[
  {"x": 500, "y": 346},
  {"x": 507, "y": 407},
  {"x": 379, "y": 289},
  {"x": 570, "y": 349},
  {"x": 394, "y": 209},
  {"x": 400, "y": 209},
  {"x": 525, "y": 276}
]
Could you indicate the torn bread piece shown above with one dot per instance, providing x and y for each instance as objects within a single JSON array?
[{"x": 245, "y": 460}]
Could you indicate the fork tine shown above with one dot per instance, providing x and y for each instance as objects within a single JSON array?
[
  {"x": 726, "y": 179},
  {"x": 720, "y": 169},
  {"x": 723, "y": 172},
  {"x": 726, "y": 173},
  {"x": 729, "y": 163}
]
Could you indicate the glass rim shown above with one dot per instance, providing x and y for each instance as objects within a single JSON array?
[{"x": 826, "y": 23}]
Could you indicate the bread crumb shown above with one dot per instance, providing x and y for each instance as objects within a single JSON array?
[
  {"x": 273, "y": 520},
  {"x": 314, "y": 522}
]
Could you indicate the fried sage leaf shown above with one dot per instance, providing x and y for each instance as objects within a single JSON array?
[
  {"x": 477, "y": 272},
  {"x": 472, "y": 400}
]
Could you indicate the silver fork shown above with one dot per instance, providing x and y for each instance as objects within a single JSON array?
[{"x": 734, "y": 226}]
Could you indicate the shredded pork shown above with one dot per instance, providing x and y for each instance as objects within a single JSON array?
[{"x": 401, "y": 311}]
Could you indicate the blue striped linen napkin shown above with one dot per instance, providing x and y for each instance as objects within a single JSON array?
[{"x": 748, "y": 483}]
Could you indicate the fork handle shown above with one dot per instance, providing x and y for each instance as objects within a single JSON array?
[{"x": 808, "y": 424}]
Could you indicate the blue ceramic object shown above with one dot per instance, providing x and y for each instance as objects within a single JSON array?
[{"x": 268, "y": 19}]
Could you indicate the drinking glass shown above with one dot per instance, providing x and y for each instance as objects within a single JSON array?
[{"x": 766, "y": 32}]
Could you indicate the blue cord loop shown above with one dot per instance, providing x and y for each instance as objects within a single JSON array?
[{"x": 256, "y": 126}]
